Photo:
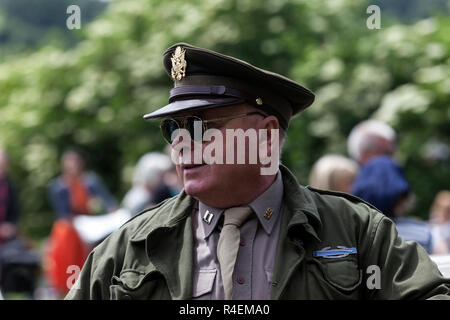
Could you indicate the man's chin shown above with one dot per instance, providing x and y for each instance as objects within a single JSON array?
[{"x": 194, "y": 190}]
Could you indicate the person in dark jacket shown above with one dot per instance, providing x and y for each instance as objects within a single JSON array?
[
  {"x": 9, "y": 211},
  {"x": 18, "y": 264}
]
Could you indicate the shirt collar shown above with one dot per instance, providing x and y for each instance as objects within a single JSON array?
[{"x": 267, "y": 207}]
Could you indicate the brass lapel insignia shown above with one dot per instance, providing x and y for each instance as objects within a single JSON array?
[
  {"x": 178, "y": 64},
  {"x": 268, "y": 213}
]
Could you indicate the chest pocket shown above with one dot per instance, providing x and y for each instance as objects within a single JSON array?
[
  {"x": 204, "y": 283},
  {"x": 343, "y": 273},
  {"x": 135, "y": 285}
]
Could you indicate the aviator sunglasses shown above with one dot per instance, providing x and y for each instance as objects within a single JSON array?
[{"x": 170, "y": 125}]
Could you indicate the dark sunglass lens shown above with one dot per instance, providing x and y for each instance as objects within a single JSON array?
[
  {"x": 195, "y": 127},
  {"x": 168, "y": 126}
]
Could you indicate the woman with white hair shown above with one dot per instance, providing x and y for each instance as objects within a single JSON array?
[{"x": 333, "y": 172}]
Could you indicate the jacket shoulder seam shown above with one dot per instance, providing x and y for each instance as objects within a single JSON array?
[{"x": 374, "y": 231}]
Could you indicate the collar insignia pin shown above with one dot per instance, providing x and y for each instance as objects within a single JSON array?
[
  {"x": 208, "y": 217},
  {"x": 178, "y": 64},
  {"x": 268, "y": 213}
]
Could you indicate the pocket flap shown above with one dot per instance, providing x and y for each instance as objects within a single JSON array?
[{"x": 131, "y": 279}]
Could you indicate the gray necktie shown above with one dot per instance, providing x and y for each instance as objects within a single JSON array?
[{"x": 228, "y": 245}]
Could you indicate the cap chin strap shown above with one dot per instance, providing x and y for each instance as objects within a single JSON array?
[{"x": 198, "y": 90}]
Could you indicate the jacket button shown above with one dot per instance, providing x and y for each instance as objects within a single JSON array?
[
  {"x": 127, "y": 297},
  {"x": 240, "y": 280},
  {"x": 243, "y": 243}
]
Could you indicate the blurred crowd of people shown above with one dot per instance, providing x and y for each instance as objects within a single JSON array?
[
  {"x": 85, "y": 211},
  {"x": 372, "y": 174}
]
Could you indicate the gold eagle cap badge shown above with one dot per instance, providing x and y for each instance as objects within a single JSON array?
[{"x": 178, "y": 64}]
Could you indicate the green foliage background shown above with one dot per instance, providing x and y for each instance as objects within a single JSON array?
[{"x": 93, "y": 93}]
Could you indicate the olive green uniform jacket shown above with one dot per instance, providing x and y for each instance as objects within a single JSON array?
[{"x": 151, "y": 256}]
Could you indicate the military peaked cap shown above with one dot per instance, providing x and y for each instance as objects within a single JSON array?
[{"x": 206, "y": 79}]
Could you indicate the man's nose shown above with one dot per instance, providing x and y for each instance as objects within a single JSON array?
[
  {"x": 186, "y": 140},
  {"x": 176, "y": 141}
]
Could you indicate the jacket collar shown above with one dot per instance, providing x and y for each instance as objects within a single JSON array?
[
  {"x": 168, "y": 237},
  {"x": 302, "y": 209},
  {"x": 168, "y": 214},
  {"x": 299, "y": 219}
]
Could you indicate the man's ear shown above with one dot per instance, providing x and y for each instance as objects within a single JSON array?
[
  {"x": 270, "y": 123},
  {"x": 269, "y": 146}
]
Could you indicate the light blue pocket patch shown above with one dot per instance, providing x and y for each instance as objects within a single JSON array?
[{"x": 329, "y": 253}]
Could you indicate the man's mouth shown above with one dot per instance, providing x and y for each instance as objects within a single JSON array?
[{"x": 191, "y": 166}]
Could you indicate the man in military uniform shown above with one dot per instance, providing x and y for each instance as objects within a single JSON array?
[{"x": 236, "y": 233}]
